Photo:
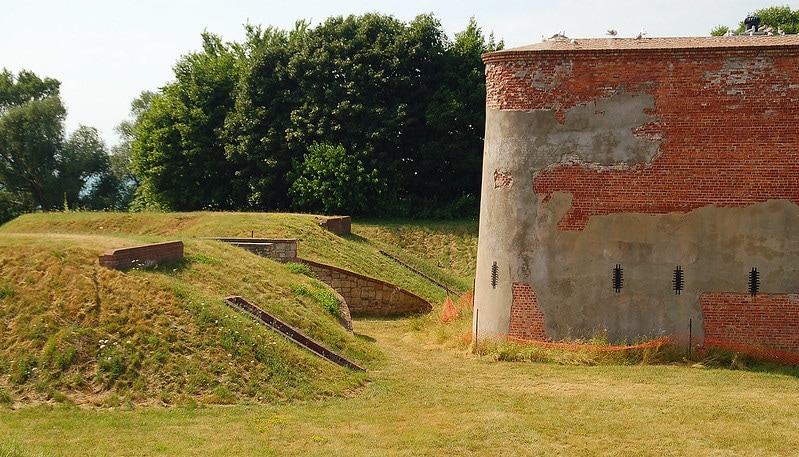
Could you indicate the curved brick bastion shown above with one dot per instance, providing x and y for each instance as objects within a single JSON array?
[{"x": 623, "y": 179}]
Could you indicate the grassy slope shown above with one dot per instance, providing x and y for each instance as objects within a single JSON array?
[
  {"x": 73, "y": 331},
  {"x": 444, "y": 251},
  {"x": 427, "y": 400},
  {"x": 425, "y": 397}
]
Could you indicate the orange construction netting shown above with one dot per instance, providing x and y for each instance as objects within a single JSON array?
[
  {"x": 450, "y": 311},
  {"x": 699, "y": 346}
]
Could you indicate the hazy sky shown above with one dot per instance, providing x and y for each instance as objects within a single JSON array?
[{"x": 106, "y": 52}]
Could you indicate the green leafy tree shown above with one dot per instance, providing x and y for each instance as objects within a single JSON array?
[
  {"x": 332, "y": 181},
  {"x": 31, "y": 136},
  {"x": 777, "y": 17},
  {"x": 39, "y": 169},
  {"x": 255, "y": 130},
  {"x": 178, "y": 155},
  {"x": 122, "y": 179},
  {"x": 363, "y": 82},
  {"x": 446, "y": 175},
  {"x": 400, "y": 99},
  {"x": 82, "y": 167}
]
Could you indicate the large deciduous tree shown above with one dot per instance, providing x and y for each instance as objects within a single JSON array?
[
  {"x": 39, "y": 168},
  {"x": 256, "y": 128},
  {"x": 31, "y": 136},
  {"x": 178, "y": 155},
  {"x": 122, "y": 177},
  {"x": 355, "y": 78},
  {"x": 445, "y": 177},
  {"x": 261, "y": 125}
]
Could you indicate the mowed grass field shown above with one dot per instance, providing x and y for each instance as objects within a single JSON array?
[
  {"x": 431, "y": 398},
  {"x": 427, "y": 394}
]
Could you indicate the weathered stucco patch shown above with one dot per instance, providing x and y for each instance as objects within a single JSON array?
[
  {"x": 706, "y": 243},
  {"x": 604, "y": 132}
]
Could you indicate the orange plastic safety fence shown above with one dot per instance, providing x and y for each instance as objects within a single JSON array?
[
  {"x": 699, "y": 345},
  {"x": 774, "y": 355},
  {"x": 450, "y": 311},
  {"x": 660, "y": 342}
]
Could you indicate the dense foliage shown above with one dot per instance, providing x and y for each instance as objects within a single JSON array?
[
  {"x": 364, "y": 115},
  {"x": 40, "y": 169},
  {"x": 776, "y": 18}
]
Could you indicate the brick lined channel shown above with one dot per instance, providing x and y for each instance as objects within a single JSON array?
[{"x": 290, "y": 332}]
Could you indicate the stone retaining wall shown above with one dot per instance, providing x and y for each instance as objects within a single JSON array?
[
  {"x": 281, "y": 250},
  {"x": 368, "y": 296}
]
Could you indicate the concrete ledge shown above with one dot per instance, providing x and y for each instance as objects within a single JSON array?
[
  {"x": 290, "y": 332},
  {"x": 144, "y": 255}
]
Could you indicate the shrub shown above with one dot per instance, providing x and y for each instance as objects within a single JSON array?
[{"x": 299, "y": 268}]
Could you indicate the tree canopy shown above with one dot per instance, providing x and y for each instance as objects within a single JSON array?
[
  {"x": 366, "y": 114},
  {"x": 39, "y": 168},
  {"x": 777, "y": 18}
]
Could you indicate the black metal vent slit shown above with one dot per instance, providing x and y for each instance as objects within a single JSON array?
[
  {"x": 678, "y": 281},
  {"x": 618, "y": 278},
  {"x": 494, "y": 275},
  {"x": 754, "y": 281}
]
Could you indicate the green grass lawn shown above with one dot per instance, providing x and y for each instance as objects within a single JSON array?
[
  {"x": 429, "y": 397},
  {"x": 183, "y": 356}
]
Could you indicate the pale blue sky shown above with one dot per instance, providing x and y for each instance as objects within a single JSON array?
[{"x": 105, "y": 52}]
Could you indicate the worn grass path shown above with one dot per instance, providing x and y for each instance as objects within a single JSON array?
[{"x": 427, "y": 399}]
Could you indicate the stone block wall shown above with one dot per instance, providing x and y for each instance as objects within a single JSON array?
[
  {"x": 281, "y": 250},
  {"x": 142, "y": 256},
  {"x": 359, "y": 295},
  {"x": 368, "y": 296}
]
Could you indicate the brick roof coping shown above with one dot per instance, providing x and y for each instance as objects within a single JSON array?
[{"x": 611, "y": 44}]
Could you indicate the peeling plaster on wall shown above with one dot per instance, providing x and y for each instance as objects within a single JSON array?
[
  {"x": 603, "y": 132},
  {"x": 650, "y": 159},
  {"x": 704, "y": 242}
]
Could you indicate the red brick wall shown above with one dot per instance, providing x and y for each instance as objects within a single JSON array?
[
  {"x": 726, "y": 121},
  {"x": 142, "y": 256},
  {"x": 339, "y": 225},
  {"x": 766, "y": 320},
  {"x": 526, "y": 319}
]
